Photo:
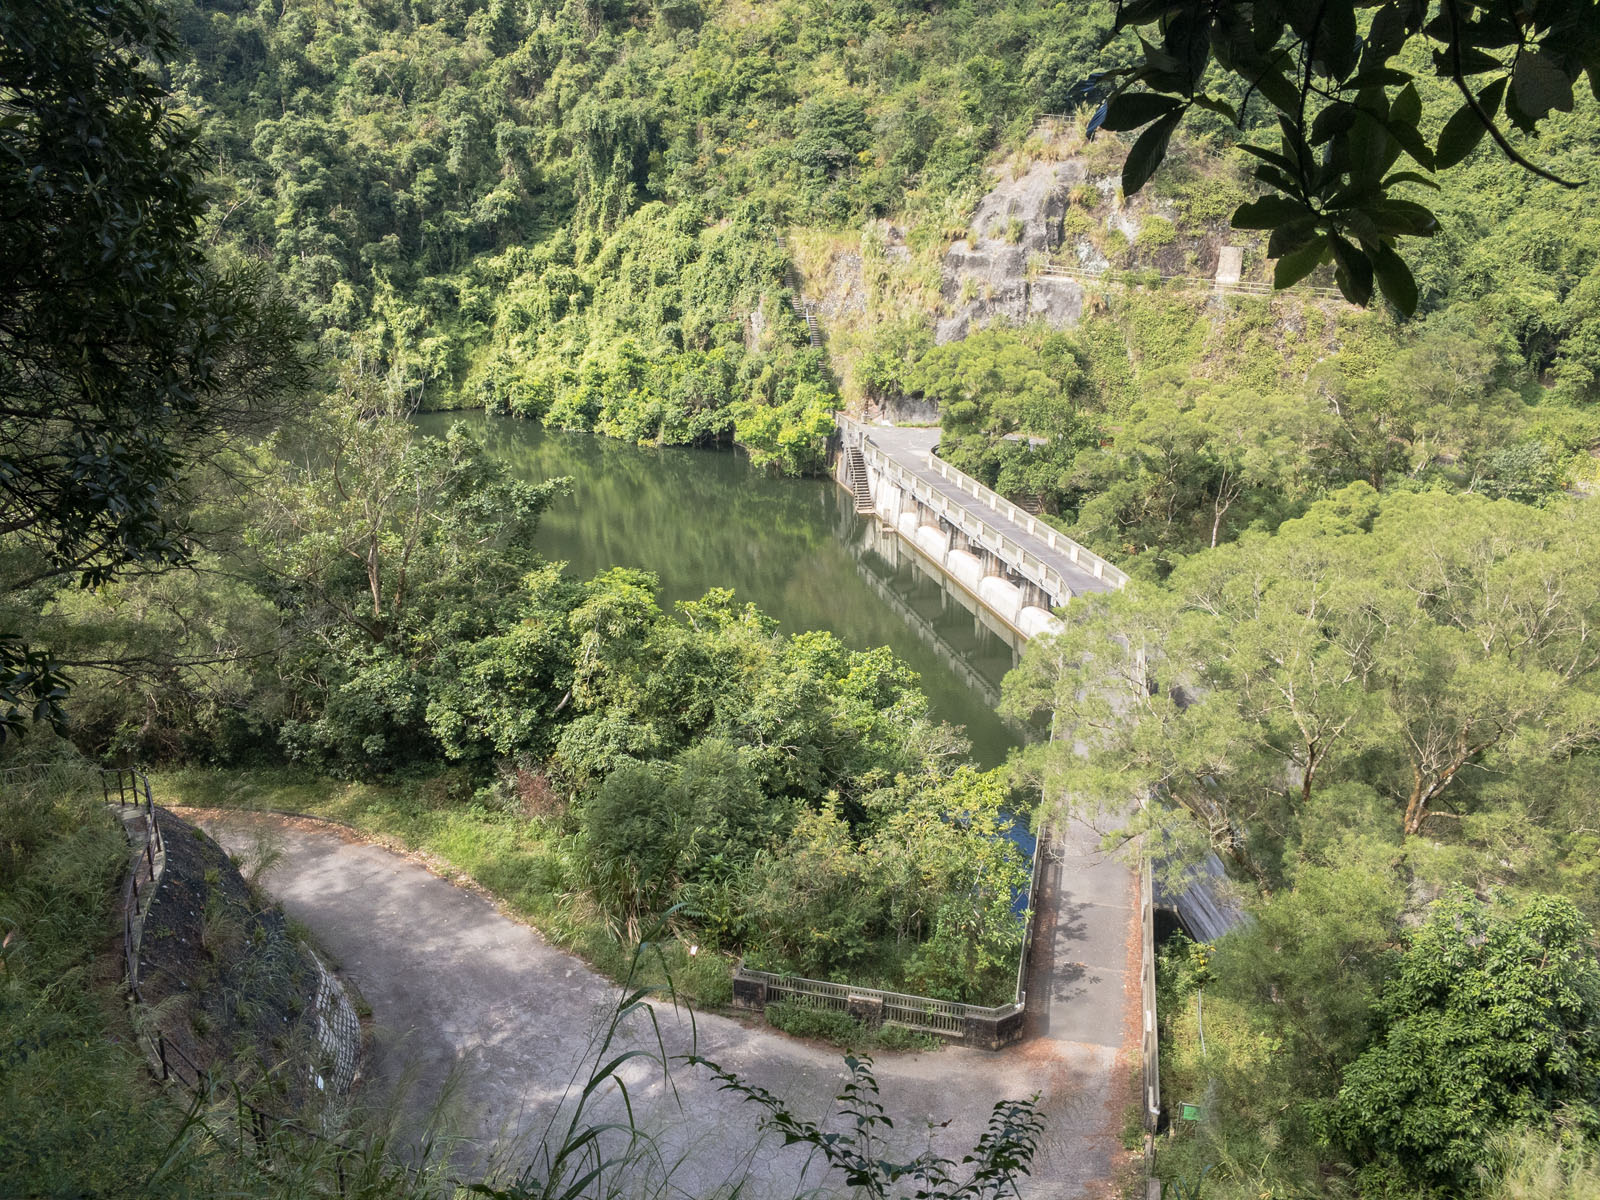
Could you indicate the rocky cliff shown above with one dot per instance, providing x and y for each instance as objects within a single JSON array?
[{"x": 1061, "y": 215}]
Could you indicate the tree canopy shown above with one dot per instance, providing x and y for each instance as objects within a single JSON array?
[
  {"x": 124, "y": 349},
  {"x": 1339, "y": 81},
  {"x": 1491, "y": 1020}
]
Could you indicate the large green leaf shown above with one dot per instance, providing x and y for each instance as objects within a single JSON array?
[
  {"x": 1539, "y": 86},
  {"x": 1354, "y": 274},
  {"x": 1148, "y": 152},
  {"x": 1269, "y": 212},
  {"x": 1297, "y": 264},
  {"x": 1131, "y": 110},
  {"x": 1396, "y": 280},
  {"x": 1459, "y": 138},
  {"x": 1463, "y": 131}
]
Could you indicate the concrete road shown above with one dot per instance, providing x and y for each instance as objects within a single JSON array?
[{"x": 461, "y": 993}]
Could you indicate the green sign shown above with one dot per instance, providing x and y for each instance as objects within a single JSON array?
[{"x": 1189, "y": 1112}]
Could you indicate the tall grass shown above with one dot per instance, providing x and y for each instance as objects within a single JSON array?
[
  {"x": 1535, "y": 1166},
  {"x": 79, "y": 1113}
]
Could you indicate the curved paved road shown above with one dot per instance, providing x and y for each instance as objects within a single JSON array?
[{"x": 460, "y": 992}]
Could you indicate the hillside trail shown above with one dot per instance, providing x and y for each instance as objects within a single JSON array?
[{"x": 468, "y": 1001}]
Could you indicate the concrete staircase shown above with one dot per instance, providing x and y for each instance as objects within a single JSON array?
[{"x": 813, "y": 331}]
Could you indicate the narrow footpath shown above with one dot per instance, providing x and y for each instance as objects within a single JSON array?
[{"x": 467, "y": 1000}]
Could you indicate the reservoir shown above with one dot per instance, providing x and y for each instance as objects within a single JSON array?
[{"x": 796, "y": 548}]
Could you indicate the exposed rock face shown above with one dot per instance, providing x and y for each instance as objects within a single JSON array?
[
  {"x": 1026, "y": 219},
  {"x": 1056, "y": 299},
  {"x": 755, "y": 327},
  {"x": 987, "y": 276},
  {"x": 903, "y": 410},
  {"x": 844, "y": 291}
]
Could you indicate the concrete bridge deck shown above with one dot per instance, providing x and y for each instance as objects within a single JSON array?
[
  {"x": 1018, "y": 567},
  {"x": 912, "y": 448}
]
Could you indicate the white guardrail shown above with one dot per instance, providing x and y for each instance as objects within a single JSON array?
[
  {"x": 981, "y": 531},
  {"x": 1248, "y": 287},
  {"x": 1078, "y": 555}
]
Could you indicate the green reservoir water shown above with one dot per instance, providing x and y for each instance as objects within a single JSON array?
[{"x": 700, "y": 519}]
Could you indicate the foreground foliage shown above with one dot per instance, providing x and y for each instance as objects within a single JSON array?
[
  {"x": 1336, "y": 77},
  {"x": 126, "y": 350},
  {"x": 1002, "y": 1155}
]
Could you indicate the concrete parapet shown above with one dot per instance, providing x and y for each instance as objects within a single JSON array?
[
  {"x": 993, "y": 1032},
  {"x": 866, "y": 1008},
  {"x": 888, "y": 499},
  {"x": 748, "y": 993},
  {"x": 986, "y": 1028}
]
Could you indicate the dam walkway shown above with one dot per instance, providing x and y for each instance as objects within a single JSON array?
[
  {"x": 1018, "y": 566},
  {"x": 1089, "y": 970}
]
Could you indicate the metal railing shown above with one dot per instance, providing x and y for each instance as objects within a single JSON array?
[
  {"x": 990, "y": 537},
  {"x": 1079, "y": 555},
  {"x": 127, "y": 788},
  {"x": 1033, "y": 915},
  {"x": 1151, "y": 278},
  {"x": 923, "y": 1013},
  {"x": 1152, "y": 1046}
]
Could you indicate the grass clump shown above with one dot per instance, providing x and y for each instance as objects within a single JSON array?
[{"x": 799, "y": 1018}]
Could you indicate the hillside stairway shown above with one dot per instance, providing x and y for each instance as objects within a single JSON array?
[
  {"x": 802, "y": 309},
  {"x": 1032, "y": 504},
  {"x": 855, "y": 475}
]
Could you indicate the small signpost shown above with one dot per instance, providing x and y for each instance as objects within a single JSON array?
[{"x": 1189, "y": 1112}]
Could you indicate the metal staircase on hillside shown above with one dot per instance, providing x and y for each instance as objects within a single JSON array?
[{"x": 802, "y": 309}]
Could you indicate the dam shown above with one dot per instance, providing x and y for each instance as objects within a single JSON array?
[{"x": 1015, "y": 568}]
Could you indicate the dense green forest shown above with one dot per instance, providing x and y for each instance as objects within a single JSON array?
[
  {"x": 574, "y": 212},
  {"x": 1357, "y": 660}
]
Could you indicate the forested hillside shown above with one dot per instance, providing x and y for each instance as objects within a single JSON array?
[
  {"x": 573, "y": 211},
  {"x": 1356, "y": 662}
]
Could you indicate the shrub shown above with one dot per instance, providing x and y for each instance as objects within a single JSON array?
[{"x": 802, "y": 1019}]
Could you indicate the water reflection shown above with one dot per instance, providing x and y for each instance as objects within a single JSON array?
[{"x": 794, "y": 547}]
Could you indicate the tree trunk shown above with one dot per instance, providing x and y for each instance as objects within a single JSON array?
[{"x": 1416, "y": 805}]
